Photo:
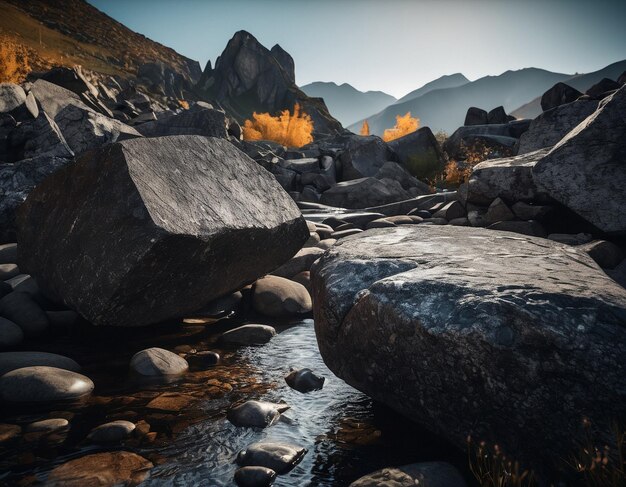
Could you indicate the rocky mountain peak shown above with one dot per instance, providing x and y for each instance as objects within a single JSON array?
[{"x": 248, "y": 77}]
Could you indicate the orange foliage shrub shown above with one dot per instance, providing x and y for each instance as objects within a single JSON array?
[
  {"x": 405, "y": 124},
  {"x": 184, "y": 104},
  {"x": 286, "y": 129},
  {"x": 365, "y": 129},
  {"x": 13, "y": 62}
]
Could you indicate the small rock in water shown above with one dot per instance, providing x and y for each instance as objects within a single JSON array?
[
  {"x": 278, "y": 297},
  {"x": 254, "y": 477},
  {"x": 47, "y": 426},
  {"x": 10, "y": 334},
  {"x": 112, "y": 432},
  {"x": 101, "y": 469},
  {"x": 249, "y": 335},
  {"x": 427, "y": 474},
  {"x": 256, "y": 413},
  {"x": 8, "y": 253},
  {"x": 158, "y": 362},
  {"x": 7, "y": 271},
  {"x": 42, "y": 384},
  {"x": 16, "y": 360},
  {"x": 280, "y": 457},
  {"x": 203, "y": 359},
  {"x": 304, "y": 380}
]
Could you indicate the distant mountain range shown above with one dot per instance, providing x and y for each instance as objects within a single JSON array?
[
  {"x": 345, "y": 102},
  {"x": 518, "y": 91},
  {"x": 446, "y": 81}
]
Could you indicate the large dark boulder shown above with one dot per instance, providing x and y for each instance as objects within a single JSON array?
[
  {"x": 497, "y": 116},
  {"x": 463, "y": 140},
  {"x": 586, "y": 170},
  {"x": 600, "y": 89},
  {"x": 364, "y": 193},
  {"x": 363, "y": 156},
  {"x": 419, "y": 153},
  {"x": 551, "y": 126},
  {"x": 475, "y": 116},
  {"x": 16, "y": 182},
  {"x": 559, "y": 94},
  {"x": 145, "y": 230},
  {"x": 475, "y": 331},
  {"x": 201, "y": 121}
]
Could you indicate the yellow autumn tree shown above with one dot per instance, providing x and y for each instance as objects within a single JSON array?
[
  {"x": 291, "y": 130},
  {"x": 13, "y": 62},
  {"x": 365, "y": 129},
  {"x": 405, "y": 124}
]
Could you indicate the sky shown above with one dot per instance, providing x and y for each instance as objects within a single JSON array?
[{"x": 393, "y": 46}]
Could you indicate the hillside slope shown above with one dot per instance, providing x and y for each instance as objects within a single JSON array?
[
  {"x": 346, "y": 103},
  {"x": 446, "y": 81},
  {"x": 71, "y": 32}
]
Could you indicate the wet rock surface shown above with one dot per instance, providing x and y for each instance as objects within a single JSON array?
[{"x": 42, "y": 384}]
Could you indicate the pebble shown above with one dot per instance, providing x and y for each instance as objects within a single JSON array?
[
  {"x": 112, "y": 432},
  {"x": 249, "y": 335},
  {"x": 158, "y": 362},
  {"x": 280, "y": 457},
  {"x": 7, "y": 271},
  {"x": 48, "y": 426},
  {"x": 259, "y": 414}
]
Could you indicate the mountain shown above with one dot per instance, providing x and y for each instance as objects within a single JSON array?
[
  {"x": 249, "y": 78},
  {"x": 447, "y": 81},
  {"x": 582, "y": 82},
  {"x": 71, "y": 32},
  {"x": 445, "y": 109},
  {"x": 345, "y": 102}
]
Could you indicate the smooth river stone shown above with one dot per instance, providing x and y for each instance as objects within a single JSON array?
[
  {"x": 16, "y": 360},
  {"x": 40, "y": 384},
  {"x": 157, "y": 362}
]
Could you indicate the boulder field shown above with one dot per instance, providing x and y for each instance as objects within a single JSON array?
[{"x": 510, "y": 338}]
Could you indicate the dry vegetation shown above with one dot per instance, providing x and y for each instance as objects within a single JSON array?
[
  {"x": 405, "y": 124},
  {"x": 365, "y": 128},
  {"x": 290, "y": 130},
  {"x": 14, "y": 65}
]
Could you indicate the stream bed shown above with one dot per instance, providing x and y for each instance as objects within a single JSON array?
[{"x": 191, "y": 443}]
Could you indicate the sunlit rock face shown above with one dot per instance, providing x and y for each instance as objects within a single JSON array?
[{"x": 471, "y": 331}]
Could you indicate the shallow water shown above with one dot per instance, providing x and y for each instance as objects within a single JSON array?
[{"x": 346, "y": 435}]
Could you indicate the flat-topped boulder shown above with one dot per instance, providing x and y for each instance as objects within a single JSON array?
[
  {"x": 162, "y": 226},
  {"x": 509, "y": 178},
  {"x": 473, "y": 331}
]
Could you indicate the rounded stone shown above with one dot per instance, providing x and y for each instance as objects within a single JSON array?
[
  {"x": 40, "y": 384},
  {"x": 24, "y": 311},
  {"x": 10, "y": 334},
  {"x": 112, "y": 432},
  {"x": 259, "y": 414},
  {"x": 280, "y": 457},
  {"x": 304, "y": 380},
  {"x": 101, "y": 469},
  {"x": 47, "y": 426},
  {"x": 16, "y": 360},
  {"x": 7, "y": 271},
  {"x": 428, "y": 474},
  {"x": 278, "y": 297},
  {"x": 157, "y": 362},
  {"x": 254, "y": 477},
  {"x": 248, "y": 335}
]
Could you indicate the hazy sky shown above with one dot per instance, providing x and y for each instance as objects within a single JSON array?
[{"x": 392, "y": 45}]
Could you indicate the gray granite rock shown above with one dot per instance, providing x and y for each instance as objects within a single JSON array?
[
  {"x": 278, "y": 297},
  {"x": 157, "y": 362},
  {"x": 149, "y": 251},
  {"x": 470, "y": 331},
  {"x": 248, "y": 335},
  {"x": 280, "y": 457},
  {"x": 259, "y": 414}
]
